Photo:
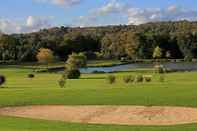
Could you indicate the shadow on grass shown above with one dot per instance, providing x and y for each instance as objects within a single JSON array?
[{"x": 3, "y": 87}]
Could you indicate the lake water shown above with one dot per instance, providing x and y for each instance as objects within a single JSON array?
[{"x": 182, "y": 66}]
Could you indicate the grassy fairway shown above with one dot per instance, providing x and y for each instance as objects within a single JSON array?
[{"x": 178, "y": 90}]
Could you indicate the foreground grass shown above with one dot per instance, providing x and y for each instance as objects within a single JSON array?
[{"x": 20, "y": 124}]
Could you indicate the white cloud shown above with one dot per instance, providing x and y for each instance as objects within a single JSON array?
[
  {"x": 31, "y": 24},
  {"x": 111, "y": 7},
  {"x": 7, "y": 26},
  {"x": 64, "y": 3},
  {"x": 137, "y": 15},
  {"x": 36, "y": 23},
  {"x": 113, "y": 12},
  {"x": 94, "y": 16},
  {"x": 172, "y": 13},
  {"x": 173, "y": 8}
]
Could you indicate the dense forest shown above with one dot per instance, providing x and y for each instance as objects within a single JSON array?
[{"x": 179, "y": 39}]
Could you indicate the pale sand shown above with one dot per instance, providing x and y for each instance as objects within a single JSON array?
[{"x": 120, "y": 115}]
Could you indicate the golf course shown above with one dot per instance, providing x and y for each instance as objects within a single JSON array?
[{"x": 98, "y": 65}]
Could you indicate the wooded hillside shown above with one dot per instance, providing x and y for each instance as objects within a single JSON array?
[{"x": 179, "y": 39}]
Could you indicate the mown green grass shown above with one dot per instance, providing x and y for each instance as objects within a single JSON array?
[
  {"x": 21, "y": 124},
  {"x": 179, "y": 89}
]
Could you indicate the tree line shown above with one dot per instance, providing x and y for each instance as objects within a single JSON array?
[{"x": 175, "y": 39}]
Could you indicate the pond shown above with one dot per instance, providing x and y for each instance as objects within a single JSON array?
[{"x": 182, "y": 66}]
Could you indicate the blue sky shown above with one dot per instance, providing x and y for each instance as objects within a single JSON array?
[{"x": 18, "y": 16}]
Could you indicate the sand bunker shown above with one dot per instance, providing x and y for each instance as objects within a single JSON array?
[{"x": 121, "y": 115}]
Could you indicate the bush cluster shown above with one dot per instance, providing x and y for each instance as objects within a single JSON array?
[
  {"x": 130, "y": 79},
  {"x": 137, "y": 78}
]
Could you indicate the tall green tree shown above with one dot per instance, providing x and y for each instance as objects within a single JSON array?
[
  {"x": 76, "y": 61},
  {"x": 73, "y": 65}
]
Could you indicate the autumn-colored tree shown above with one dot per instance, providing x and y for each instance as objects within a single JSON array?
[
  {"x": 45, "y": 56},
  {"x": 157, "y": 53}
]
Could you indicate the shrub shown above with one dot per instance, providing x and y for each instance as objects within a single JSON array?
[
  {"x": 128, "y": 79},
  {"x": 73, "y": 74},
  {"x": 159, "y": 69},
  {"x": 62, "y": 82},
  {"x": 147, "y": 78},
  {"x": 111, "y": 79},
  {"x": 31, "y": 75},
  {"x": 2, "y": 80},
  {"x": 139, "y": 78}
]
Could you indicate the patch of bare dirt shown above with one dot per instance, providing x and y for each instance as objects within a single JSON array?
[{"x": 121, "y": 115}]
